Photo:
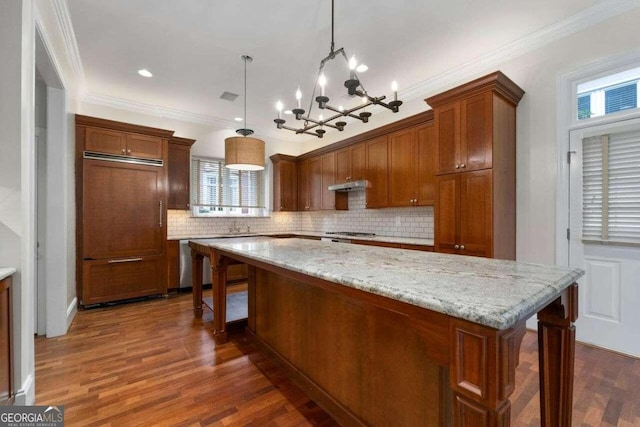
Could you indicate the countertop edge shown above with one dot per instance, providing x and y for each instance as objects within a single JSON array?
[{"x": 6, "y": 272}]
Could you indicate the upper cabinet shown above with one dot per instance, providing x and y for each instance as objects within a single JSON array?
[
  {"x": 412, "y": 166},
  {"x": 285, "y": 183},
  {"x": 310, "y": 184},
  {"x": 464, "y": 134},
  {"x": 178, "y": 173},
  {"x": 122, "y": 143},
  {"x": 475, "y": 133},
  {"x": 350, "y": 163}
]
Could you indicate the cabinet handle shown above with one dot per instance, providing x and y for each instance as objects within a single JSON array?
[
  {"x": 188, "y": 205},
  {"x": 128, "y": 151},
  {"x": 457, "y": 166},
  {"x": 117, "y": 261},
  {"x": 160, "y": 214},
  {"x": 124, "y": 151},
  {"x": 281, "y": 208},
  {"x": 463, "y": 166},
  {"x": 462, "y": 247},
  {"x": 456, "y": 246}
]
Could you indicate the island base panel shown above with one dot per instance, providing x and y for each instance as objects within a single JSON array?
[{"x": 362, "y": 363}]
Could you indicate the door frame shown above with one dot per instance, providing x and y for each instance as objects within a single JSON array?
[{"x": 566, "y": 122}]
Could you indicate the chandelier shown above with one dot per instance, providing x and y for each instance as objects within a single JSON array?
[{"x": 311, "y": 126}]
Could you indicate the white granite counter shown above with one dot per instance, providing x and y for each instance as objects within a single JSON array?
[
  {"x": 490, "y": 292},
  {"x": 6, "y": 272},
  {"x": 385, "y": 239}
]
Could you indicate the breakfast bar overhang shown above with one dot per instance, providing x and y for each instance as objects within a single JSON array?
[{"x": 381, "y": 336}]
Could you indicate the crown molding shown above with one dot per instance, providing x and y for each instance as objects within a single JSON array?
[
  {"x": 490, "y": 61},
  {"x": 65, "y": 25}
]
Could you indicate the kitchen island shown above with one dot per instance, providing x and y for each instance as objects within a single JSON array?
[{"x": 399, "y": 337}]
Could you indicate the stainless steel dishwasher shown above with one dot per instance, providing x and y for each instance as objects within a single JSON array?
[{"x": 185, "y": 266}]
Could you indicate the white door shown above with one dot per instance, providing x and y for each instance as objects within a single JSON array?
[
  {"x": 605, "y": 233},
  {"x": 41, "y": 231}
]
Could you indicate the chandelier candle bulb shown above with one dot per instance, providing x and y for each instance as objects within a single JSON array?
[
  {"x": 394, "y": 88},
  {"x": 299, "y": 97},
  {"x": 279, "y": 108},
  {"x": 322, "y": 81},
  {"x": 352, "y": 67}
]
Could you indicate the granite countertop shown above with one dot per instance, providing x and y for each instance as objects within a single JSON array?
[
  {"x": 491, "y": 292},
  {"x": 6, "y": 272},
  {"x": 386, "y": 239}
]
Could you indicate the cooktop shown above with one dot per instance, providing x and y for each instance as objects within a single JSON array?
[{"x": 350, "y": 233}]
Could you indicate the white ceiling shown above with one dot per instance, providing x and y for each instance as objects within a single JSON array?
[{"x": 193, "y": 47}]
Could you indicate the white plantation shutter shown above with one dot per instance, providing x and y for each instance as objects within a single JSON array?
[
  {"x": 611, "y": 188},
  {"x": 215, "y": 186}
]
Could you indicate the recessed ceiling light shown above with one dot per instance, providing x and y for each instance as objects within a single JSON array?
[
  {"x": 362, "y": 68},
  {"x": 238, "y": 119},
  {"x": 288, "y": 112},
  {"x": 145, "y": 73}
]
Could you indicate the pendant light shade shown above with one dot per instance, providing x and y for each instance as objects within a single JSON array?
[{"x": 244, "y": 152}]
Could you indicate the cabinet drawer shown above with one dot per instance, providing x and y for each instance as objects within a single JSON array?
[{"x": 123, "y": 278}]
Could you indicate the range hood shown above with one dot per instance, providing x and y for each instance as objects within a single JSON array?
[{"x": 350, "y": 186}]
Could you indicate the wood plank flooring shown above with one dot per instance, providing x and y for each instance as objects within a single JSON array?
[{"x": 151, "y": 363}]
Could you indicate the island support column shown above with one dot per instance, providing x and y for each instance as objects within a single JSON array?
[
  {"x": 219, "y": 288},
  {"x": 556, "y": 351},
  {"x": 196, "y": 281},
  {"x": 482, "y": 371}
]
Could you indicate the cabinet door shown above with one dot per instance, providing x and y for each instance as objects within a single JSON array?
[
  {"x": 314, "y": 182},
  {"x": 358, "y": 163},
  {"x": 328, "y": 178},
  {"x": 447, "y": 124},
  {"x": 377, "y": 167},
  {"x": 476, "y": 146},
  {"x": 122, "y": 278},
  {"x": 178, "y": 176},
  {"x": 105, "y": 141},
  {"x": 476, "y": 213},
  {"x": 425, "y": 176},
  {"x": 447, "y": 213},
  {"x": 285, "y": 186},
  {"x": 403, "y": 157},
  {"x": 303, "y": 185},
  {"x": 343, "y": 165},
  {"x": 148, "y": 147},
  {"x": 123, "y": 209}
]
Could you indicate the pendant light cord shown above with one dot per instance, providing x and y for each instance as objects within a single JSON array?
[
  {"x": 245, "y": 92},
  {"x": 332, "y": 43}
]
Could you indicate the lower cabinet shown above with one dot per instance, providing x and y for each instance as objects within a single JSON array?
[
  {"x": 173, "y": 264},
  {"x": 237, "y": 273},
  {"x": 6, "y": 341},
  {"x": 118, "y": 279},
  {"x": 464, "y": 213}
]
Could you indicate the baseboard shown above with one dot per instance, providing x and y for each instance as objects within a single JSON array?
[
  {"x": 71, "y": 311},
  {"x": 26, "y": 396}
]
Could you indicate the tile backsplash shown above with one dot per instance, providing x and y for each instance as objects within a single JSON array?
[{"x": 414, "y": 222}]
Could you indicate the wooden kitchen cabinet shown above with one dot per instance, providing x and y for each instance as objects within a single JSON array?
[
  {"x": 173, "y": 264},
  {"x": 285, "y": 183},
  {"x": 350, "y": 163},
  {"x": 377, "y": 168},
  {"x": 412, "y": 167},
  {"x": 122, "y": 143},
  {"x": 121, "y": 209},
  {"x": 315, "y": 174},
  {"x": 178, "y": 171},
  {"x": 475, "y": 206},
  {"x": 6, "y": 342},
  {"x": 237, "y": 273},
  {"x": 464, "y": 214}
]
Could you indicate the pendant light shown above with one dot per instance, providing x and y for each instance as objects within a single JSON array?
[{"x": 244, "y": 152}]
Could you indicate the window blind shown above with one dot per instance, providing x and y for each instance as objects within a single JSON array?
[
  {"x": 217, "y": 187},
  {"x": 621, "y": 98},
  {"x": 611, "y": 188}
]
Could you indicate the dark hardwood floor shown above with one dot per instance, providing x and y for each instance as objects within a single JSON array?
[{"x": 151, "y": 363}]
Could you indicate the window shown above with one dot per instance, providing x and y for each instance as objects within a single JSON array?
[
  {"x": 611, "y": 188},
  {"x": 609, "y": 94},
  {"x": 219, "y": 191}
]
